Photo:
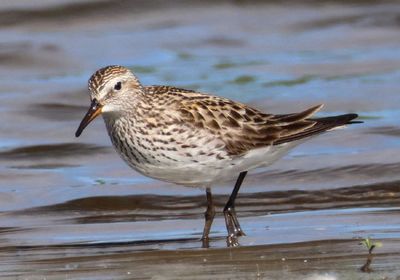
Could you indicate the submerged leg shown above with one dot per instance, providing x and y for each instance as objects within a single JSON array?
[
  {"x": 209, "y": 217},
  {"x": 231, "y": 221}
]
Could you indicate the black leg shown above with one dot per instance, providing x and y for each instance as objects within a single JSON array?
[
  {"x": 231, "y": 221},
  {"x": 209, "y": 217}
]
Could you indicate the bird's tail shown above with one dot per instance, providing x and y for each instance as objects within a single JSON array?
[{"x": 321, "y": 125}]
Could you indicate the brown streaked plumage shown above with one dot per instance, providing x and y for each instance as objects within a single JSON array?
[{"x": 195, "y": 139}]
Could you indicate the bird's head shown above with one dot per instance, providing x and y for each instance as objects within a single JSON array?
[{"x": 111, "y": 88}]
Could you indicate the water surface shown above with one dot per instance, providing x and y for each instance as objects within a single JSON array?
[{"x": 71, "y": 209}]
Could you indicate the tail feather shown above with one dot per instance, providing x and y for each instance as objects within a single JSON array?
[{"x": 321, "y": 125}]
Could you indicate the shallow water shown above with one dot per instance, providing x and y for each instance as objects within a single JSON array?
[{"x": 71, "y": 209}]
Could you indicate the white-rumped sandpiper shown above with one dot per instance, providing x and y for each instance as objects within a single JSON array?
[{"x": 195, "y": 139}]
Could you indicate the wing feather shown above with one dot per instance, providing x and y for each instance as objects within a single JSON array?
[{"x": 240, "y": 127}]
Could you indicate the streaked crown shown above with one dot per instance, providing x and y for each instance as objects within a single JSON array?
[{"x": 102, "y": 76}]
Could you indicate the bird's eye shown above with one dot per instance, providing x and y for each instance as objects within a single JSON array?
[{"x": 117, "y": 86}]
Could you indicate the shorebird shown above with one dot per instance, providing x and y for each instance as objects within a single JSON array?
[{"x": 195, "y": 139}]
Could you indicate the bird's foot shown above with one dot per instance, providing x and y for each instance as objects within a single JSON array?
[
  {"x": 233, "y": 222},
  {"x": 205, "y": 242},
  {"x": 234, "y": 230},
  {"x": 232, "y": 241}
]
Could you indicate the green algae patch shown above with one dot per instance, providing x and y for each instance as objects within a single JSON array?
[
  {"x": 143, "y": 69},
  {"x": 244, "y": 79},
  {"x": 289, "y": 83}
]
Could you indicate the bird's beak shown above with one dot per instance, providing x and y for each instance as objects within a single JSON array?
[{"x": 92, "y": 113}]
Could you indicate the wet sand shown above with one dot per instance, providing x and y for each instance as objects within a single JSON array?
[
  {"x": 333, "y": 259},
  {"x": 71, "y": 209}
]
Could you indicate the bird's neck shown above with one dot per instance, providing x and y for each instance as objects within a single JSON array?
[{"x": 129, "y": 108}]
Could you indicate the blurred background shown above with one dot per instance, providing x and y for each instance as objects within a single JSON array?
[{"x": 75, "y": 201}]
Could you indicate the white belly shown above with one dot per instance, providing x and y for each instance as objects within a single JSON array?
[{"x": 214, "y": 172}]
